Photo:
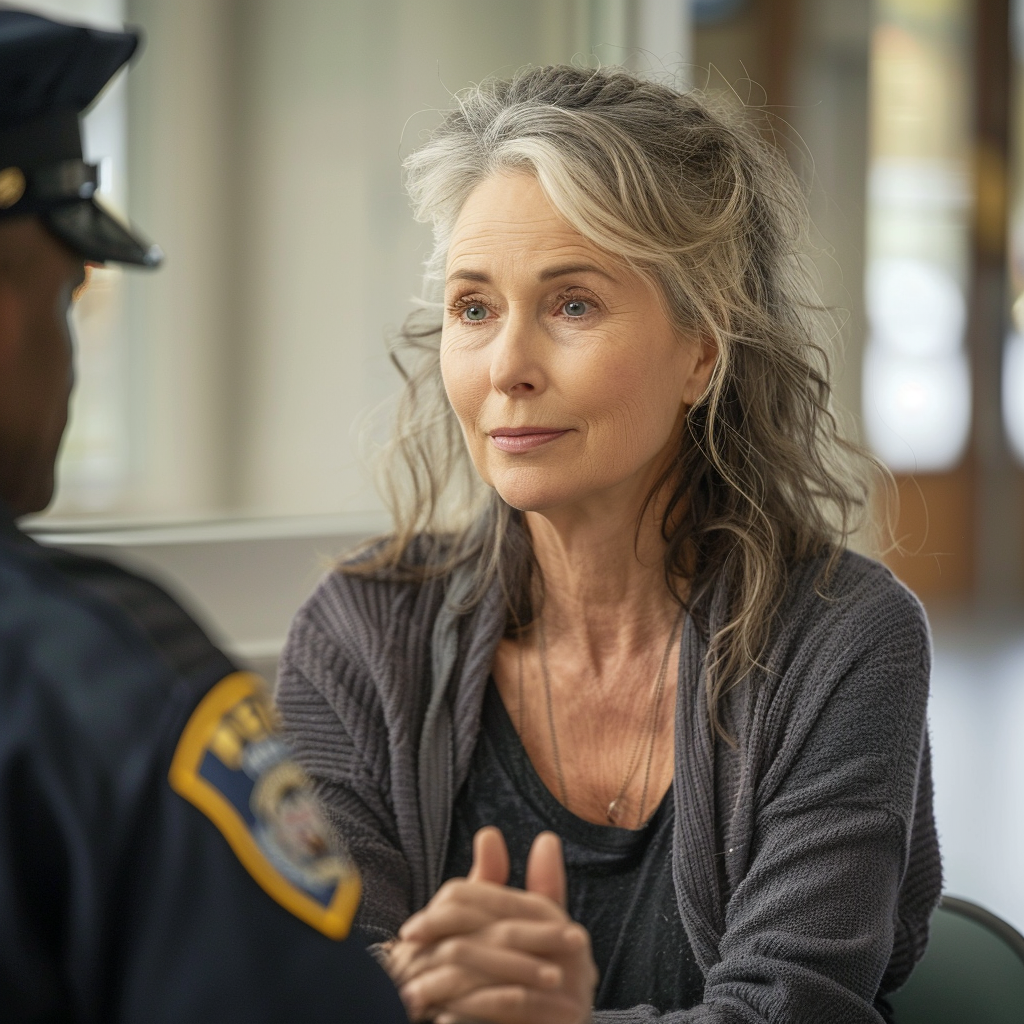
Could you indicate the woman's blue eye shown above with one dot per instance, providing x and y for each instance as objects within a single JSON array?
[
  {"x": 476, "y": 313},
  {"x": 575, "y": 307}
]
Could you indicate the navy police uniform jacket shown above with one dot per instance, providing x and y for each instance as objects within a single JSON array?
[{"x": 162, "y": 858}]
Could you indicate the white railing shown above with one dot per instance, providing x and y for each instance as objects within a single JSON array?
[{"x": 243, "y": 579}]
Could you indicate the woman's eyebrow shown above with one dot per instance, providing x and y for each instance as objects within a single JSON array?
[
  {"x": 562, "y": 270},
  {"x": 469, "y": 275}
]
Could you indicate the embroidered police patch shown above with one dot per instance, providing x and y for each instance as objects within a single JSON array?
[{"x": 232, "y": 764}]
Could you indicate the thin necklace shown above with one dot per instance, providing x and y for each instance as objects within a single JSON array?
[{"x": 650, "y": 725}]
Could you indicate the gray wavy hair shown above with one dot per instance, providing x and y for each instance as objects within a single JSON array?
[{"x": 696, "y": 201}]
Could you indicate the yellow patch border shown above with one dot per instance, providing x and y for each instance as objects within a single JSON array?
[{"x": 333, "y": 920}]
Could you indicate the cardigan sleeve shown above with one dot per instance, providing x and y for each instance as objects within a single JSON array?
[
  {"x": 812, "y": 925},
  {"x": 335, "y": 726}
]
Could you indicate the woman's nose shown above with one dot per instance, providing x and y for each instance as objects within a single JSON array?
[{"x": 518, "y": 356}]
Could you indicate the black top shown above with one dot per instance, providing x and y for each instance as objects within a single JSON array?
[
  {"x": 620, "y": 880},
  {"x": 119, "y": 898}
]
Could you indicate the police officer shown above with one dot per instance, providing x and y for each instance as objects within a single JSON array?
[{"x": 162, "y": 858}]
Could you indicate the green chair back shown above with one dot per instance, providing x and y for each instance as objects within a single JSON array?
[{"x": 971, "y": 973}]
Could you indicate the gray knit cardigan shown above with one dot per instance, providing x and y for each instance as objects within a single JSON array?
[{"x": 805, "y": 859}]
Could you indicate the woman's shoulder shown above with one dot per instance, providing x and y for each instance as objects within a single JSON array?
[
  {"x": 849, "y": 614},
  {"x": 852, "y": 592},
  {"x": 848, "y": 659},
  {"x": 365, "y": 593},
  {"x": 372, "y": 626}
]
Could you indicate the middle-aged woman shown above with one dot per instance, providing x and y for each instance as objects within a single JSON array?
[{"x": 617, "y": 618}]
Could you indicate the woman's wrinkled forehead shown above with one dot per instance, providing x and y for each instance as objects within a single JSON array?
[{"x": 508, "y": 219}]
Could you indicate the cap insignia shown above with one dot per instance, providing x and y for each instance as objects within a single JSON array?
[{"x": 12, "y": 186}]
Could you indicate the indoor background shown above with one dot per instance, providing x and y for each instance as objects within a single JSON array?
[{"x": 229, "y": 406}]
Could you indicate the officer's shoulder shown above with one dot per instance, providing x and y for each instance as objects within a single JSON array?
[
  {"x": 214, "y": 730},
  {"x": 179, "y": 640},
  {"x": 69, "y": 652}
]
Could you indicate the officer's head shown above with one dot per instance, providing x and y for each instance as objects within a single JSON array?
[
  {"x": 38, "y": 276},
  {"x": 51, "y": 226}
]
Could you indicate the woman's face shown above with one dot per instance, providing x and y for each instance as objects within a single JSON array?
[{"x": 567, "y": 378}]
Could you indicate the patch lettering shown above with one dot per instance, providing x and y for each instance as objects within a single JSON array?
[{"x": 232, "y": 764}]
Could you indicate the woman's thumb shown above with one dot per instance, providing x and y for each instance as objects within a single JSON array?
[
  {"x": 545, "y": 868},
  {"x": 490, "y": 857}
]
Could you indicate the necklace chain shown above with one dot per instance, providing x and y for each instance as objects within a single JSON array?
[{"x": 650, "y": 725}]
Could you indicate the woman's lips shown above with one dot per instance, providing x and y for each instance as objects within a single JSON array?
[{"x": 523, "y": 439}]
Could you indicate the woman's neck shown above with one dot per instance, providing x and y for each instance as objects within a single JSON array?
[{"x": 604, "y": 580}]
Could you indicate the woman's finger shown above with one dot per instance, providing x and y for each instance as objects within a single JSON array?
[
  {"x": 403, "y": 961},
  {"x": 541, "y": 938},
  {"x": 499, "y": 963},
  {"x": 427, "y": 994},
  {"x": 503, "y": 965},
  {"x": 490, "y": 857},
  {"x": 461, "y": 906},
  {"x": 539, "y": 941},
  {"x": 545, "y": 868},
  {"x": 457, "y": 966},
  {"x": 435, "y": 923},
  {"x": 513, "y": 1004}
]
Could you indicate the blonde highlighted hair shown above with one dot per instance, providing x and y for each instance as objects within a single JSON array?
[{"x": 696, "y": 201}]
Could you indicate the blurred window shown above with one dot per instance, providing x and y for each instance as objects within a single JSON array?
[{"x": 916, "y": 384}]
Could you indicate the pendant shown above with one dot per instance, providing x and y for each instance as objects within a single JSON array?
[{"x": 613, "y": 811}]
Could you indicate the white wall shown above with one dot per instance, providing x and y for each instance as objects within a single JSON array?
[
  {"x": 180, "y": 316},
  {"x": 335, "y": 94}
]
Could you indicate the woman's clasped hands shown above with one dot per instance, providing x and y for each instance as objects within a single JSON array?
[{"x": 483, "y": 951}]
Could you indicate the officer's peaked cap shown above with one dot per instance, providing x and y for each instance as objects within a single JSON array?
[{"x": 49, "y": 73}]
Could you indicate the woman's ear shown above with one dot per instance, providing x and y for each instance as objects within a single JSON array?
[{"x": 704, "y": 355}]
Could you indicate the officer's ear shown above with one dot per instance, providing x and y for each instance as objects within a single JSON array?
[
  {"x": 12, "y": 324},
  {"x": 12, "y": 301}
]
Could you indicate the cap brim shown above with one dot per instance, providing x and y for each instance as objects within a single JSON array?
[{"x": 97, "y": 235}]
